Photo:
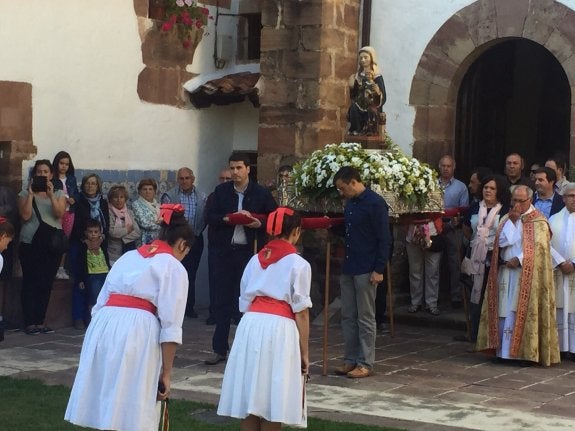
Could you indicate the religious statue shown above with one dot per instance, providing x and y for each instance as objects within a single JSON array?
[{"x": 367, "y": 91}]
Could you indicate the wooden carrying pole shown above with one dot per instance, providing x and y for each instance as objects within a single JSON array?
[
  {"x": 390, "y": 302},
  {"x": 326, "y": 304}
]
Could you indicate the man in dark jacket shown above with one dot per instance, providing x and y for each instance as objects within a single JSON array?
[{"x": 235, "y": 233}]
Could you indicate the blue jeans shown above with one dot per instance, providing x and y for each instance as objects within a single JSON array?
[
  {"x": 358, "y": 319},
  {"x": 93, "y": 285}
]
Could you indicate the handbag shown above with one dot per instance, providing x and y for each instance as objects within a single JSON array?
[{"x": 48, "y": 237}]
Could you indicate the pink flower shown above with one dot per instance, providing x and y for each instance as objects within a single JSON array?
[
  {"x": 180, "y": 3},
  {"x": 186, "y": 43},
  {"x": 186, "y": 20},
  {"x": 199, "y": 24},
  {"x": 205, "y": 11},
  {"x": 189, "y": 2},
  {"x": 167, "y": 26}
]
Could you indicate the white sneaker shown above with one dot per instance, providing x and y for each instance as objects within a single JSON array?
[{"x": 62, "y": 274}]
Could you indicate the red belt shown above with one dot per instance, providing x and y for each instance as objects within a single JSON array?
[
  {"x": 265, "y": 304},
  {"x": 118, "y": 300}
]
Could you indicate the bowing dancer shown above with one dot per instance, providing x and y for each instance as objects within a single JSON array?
[
  {"x": 264, "y": 378},
  {"x": 129, "y": 348}
]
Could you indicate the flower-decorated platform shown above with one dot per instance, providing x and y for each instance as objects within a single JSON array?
[{"x": 407, "y": 185}]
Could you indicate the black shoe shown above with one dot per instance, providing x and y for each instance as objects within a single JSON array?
[
  {"x": 211, "y": 321},
  {"x": 215, "y": 360},
  {"x": 9, "y": 326},
  {"x": 456, "y": 305},
  {"x": 498, "y": 360},
  {"x": 525, "y": 364},
  {"x": 192, "y": 314},
  {"x": 31, "y": 330},
  {"x": 46, "y": 330}
]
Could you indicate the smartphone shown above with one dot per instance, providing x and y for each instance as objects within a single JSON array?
[{"x": 39, "y": 184}]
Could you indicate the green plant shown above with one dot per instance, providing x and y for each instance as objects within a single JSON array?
[{"x": 186, "y": 18}]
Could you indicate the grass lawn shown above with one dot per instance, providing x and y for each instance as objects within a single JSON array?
[{"x": 29, "y": 405}]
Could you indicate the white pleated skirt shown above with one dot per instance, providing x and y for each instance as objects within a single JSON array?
[
  {"x": 117, "y": 379},
  {"x": 263, "y": 373}
]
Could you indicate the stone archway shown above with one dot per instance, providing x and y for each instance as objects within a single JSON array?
[{"x": 460, "y": 41}]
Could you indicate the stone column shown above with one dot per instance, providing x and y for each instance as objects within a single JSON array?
[{"x": 308, "y": 51}]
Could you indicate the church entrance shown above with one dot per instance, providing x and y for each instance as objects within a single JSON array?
[{"x": 515, "y": 97}]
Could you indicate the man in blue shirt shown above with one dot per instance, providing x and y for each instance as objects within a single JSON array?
[
  {"x": 455, "y": 196},
  {"x": 367, "y": 245},
  {"x": 546, "y": 200}
]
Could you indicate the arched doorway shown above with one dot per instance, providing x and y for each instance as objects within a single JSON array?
[
  {"x": 515, "y": 97},
  {"x": 458, "y": 45}
]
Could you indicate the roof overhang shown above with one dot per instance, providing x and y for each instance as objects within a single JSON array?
[{"x": 233, "y": 88}]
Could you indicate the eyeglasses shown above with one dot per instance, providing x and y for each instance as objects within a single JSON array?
[{"x": 519, "y": 201}]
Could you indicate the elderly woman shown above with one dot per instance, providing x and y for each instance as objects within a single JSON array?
[
  {"x": 90, "y": 205},
  {"x": 39, "y": 264},
  {"x": 480, "y": 226},
  {"x": 367, "y": 91},
  {"x": 147, "y": 210},
  {"x": 124, "y": 231}
]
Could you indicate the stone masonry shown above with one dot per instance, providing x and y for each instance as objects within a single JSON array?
[
  {"x": 308, "y": 52},
  {"x": 460, "y": 41}
]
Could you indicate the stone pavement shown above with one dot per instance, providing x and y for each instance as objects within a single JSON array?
[{"x": 424, "y": 380}]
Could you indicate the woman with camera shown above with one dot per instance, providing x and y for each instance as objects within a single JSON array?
[{"x": 39, "y": 204}]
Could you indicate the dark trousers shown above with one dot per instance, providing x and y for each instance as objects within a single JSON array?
[
  {"x": 39, "y": 269},
  {"x": 191, "y": 262},
  {"x": 80, "y": 297},
  {"x": 229, "y": 262},
  {"x": 381, "y": 301},
  {"x": 452, "y": 238},
  {"x": 94, "y": 284},
  {"x": 212, "y": 269}
]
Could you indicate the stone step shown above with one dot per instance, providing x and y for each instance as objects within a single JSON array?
[{"x": 59, "y": 313}]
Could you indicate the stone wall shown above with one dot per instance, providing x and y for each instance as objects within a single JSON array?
[
  {"x": 460, "y": 41},
  {"x": 15, "y": 131},
  {"x": 308, "y": 51}
]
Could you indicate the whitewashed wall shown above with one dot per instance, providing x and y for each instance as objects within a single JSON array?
[
  {"x": 400, "y": 31},
  {"x": 83, "y": 60}
]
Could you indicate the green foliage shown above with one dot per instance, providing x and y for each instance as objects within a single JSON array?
[{"x": 29, "y": 405}]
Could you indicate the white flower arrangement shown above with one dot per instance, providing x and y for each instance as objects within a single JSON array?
[{"x": 390, "y": 171}]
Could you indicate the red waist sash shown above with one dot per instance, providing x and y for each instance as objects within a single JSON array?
[
  {"x": 265, "y": 304},
  {"x": 118, "y": 300}
]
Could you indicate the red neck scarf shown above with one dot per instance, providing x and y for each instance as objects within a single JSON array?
[
  {"x": 274, "y": 251},
  {"x": 154, "y": 248}
]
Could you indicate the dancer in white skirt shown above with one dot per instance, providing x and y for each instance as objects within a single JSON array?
[
  {"x": 136, "y": 326},
  {"x": 268, "y": 363}
]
